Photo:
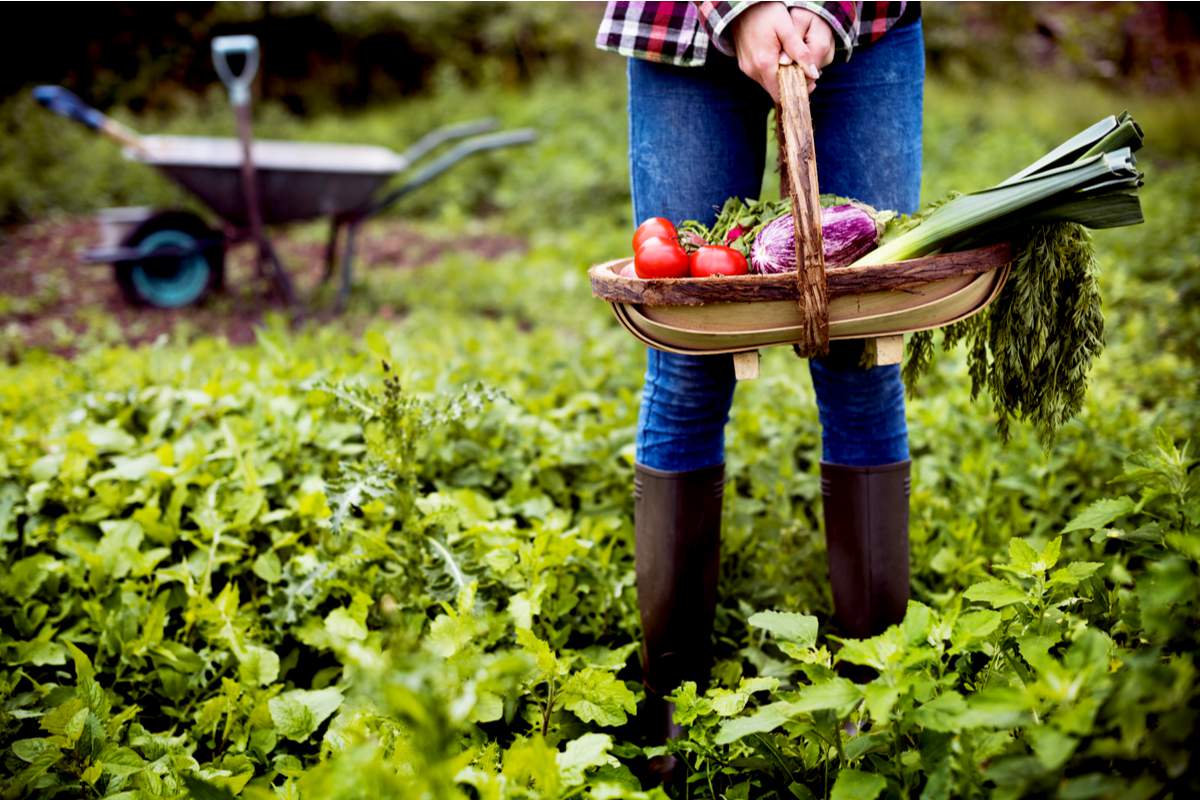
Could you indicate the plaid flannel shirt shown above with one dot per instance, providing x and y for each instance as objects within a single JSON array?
[{"x": 680, "y": 33}]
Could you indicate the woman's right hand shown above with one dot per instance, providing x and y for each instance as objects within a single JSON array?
[{"x": 766, "y": 35}]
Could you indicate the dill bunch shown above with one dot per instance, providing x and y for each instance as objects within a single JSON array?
[{"x": 1033, "y": 348}]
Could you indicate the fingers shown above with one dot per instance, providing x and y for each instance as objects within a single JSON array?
[
  {"x": 763, "y": 68},
  {"x": 816, "y": 34},
  {"x": 811, "y": 72},
  {"x": 791, "y": 41},
  {"x": 767, "y": 35}
]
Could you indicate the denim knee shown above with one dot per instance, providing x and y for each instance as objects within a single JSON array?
[
  {"x": 861, "y": 410},
  {"x": 685, "y": 406}
]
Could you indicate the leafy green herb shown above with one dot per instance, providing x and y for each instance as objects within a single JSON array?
[{"x": 1034, "y": 346}]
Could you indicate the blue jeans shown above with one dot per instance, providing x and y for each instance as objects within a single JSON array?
[{"x": 697, "y": 135}]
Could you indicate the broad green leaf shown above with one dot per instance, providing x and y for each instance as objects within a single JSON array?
[
  {"x": 1035, "y": 649},
  {"x": 258, "y": 666},
  {"x": 876, "y": 652},
  {"x": 1100, "y": 514},
  {"x": 203, "y": 790},
  {"x": 942, "y": 713},
  {"x": 852, "y": 784},
  {"x": 1022, "y": 557},
  {"x": 763, "y": 720},
  {"x": 940, "y": 782},
  {"x": 996, "y": 708},
  {"x": 799, "y": 628},
  {"x": 119, "y": 546},
  {"x": 26, "y": 576},
  {"x": 448, "y": 634},
  {"x": 880, "y": 699},
  {"x": 596, "y": 695},
  {"x": 341, "y": 624},
  {"x": 729, "y": 703},
  {"x": 995, "y": 593},
  {"x": 107, "y": 439},
  {"x": 974, "y": 626},
  {"x": 10, "y": 495},
  {"x": 532, "y": 760},
  {"x": 520, "y": 608},
  {"x": 121, "y": 761},
  {"x": 1052, "y": 747},
  {"x": 1050, "y": 553},
  {"x": 59, "y": 719},
  {"x": 489, "y": 707},
  {"x": 759, "y": 684},
  {"x": 689, "y": 706},
  {"x": 40, "y": 653},
  {"x": 837, "y": 694},
  {"x": 93, "y": 773},
  {"x": 800, "y": 792},
  {"x": 137, "y": 468},
  {"x": 917, "y": 623},
  {"x": 580, "y": 755},
  {"x": 1093, "y": 786},
  {"x": 297, "y": 714},
  {"x": 864, "y": 743},
  {"x": 31, "y": 749},
  {"x": 1073, "y": 573},
  {"x": 542, "y": 655},
  {"x": 268, "y": 567}
]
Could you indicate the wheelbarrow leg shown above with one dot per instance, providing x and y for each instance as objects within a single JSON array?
[
  {"x": 347, "y": 266},
  {"x": 283, "y": 283},
  {"x": 331, "y": 248}
]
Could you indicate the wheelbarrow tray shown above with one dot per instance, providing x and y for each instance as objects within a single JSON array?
[{"x": 296, "y": 180}]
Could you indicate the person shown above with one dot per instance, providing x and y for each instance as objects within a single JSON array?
[{"x": 702, "y": 78}]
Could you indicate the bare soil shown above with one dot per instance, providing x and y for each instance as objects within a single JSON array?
[{"x": 50, "y": 299}]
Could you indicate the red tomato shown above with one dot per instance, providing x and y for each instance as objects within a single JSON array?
[
  {"x": 655, "y": 226},
  {"x": 717, "y": 260},
  {"x": 628, "y": 271},
  {"x": 661, "y": 258}
]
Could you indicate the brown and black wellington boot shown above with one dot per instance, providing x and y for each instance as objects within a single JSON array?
[
  {"x": 677, "y": 520},
  {"x": 866, "y": 535}
]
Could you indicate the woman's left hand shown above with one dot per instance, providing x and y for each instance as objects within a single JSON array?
[{"x": 818, "y": 37}]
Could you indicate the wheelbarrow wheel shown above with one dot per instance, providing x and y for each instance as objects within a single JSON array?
[{"x": 172, "y": 282}]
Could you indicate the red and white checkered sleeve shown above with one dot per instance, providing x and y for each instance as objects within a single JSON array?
[
  {"x": 842, "y": 18},
  {"x": 716, "y": 17}
]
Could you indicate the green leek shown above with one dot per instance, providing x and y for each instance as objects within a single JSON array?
[
  {"x": 1033, "y": 348},
  {"x": 1071, "y": 183}
]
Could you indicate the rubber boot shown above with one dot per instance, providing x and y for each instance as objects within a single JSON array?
[
  {"x": 677, "y": 521},
  {"x": 866, "y": 535}
]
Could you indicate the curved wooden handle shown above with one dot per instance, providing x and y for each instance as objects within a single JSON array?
[{"x": 798, "y": 176}]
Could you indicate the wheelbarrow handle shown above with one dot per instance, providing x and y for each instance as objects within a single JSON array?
[
  {"x": 238, "y": 83},
  {"x": 65, "y": 103},
  {"x": 447, "y": 160}
]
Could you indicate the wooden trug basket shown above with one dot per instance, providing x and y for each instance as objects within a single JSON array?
[{"x": 806, "y": 309}]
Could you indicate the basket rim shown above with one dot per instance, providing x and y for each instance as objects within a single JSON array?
[{"x": 896, "y": 276}]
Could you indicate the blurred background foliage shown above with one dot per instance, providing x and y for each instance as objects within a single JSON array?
[
  {"x": 323, "y": 56},
  {"x": 385, "y": 73}
]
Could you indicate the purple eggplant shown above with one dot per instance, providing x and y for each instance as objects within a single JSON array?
[{"x": 849, "y": 231}]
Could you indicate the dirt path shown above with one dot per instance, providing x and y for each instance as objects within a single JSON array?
[{"x": 49, "y": 299}]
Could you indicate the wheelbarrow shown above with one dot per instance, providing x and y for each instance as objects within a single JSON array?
[{"x": 172, "y": 258}]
